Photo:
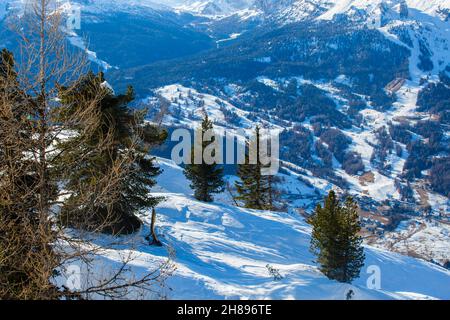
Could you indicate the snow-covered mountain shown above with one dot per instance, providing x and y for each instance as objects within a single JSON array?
[
  {"x": 269, "y": 7},
  {"x": 351, "y": 86},
  {"x": 214, "y": 8},
  {"x": 429, "y": 7},
  {"x": 295, "y": 10},
  {"x": 288, "y": 11}
]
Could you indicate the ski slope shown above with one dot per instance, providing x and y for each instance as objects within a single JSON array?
[{"x": 221, "y": 252}]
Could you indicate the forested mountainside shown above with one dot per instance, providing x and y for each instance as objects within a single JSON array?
[{"x": 359, "y": 90}]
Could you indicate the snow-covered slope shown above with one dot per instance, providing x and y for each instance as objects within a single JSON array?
[{"x": 222, "y": 252}]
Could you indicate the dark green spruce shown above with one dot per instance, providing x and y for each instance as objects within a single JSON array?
[
  {"x": 335, "y": 240},
  {"x": 131, "y": 135},
  {"x": 206, "y": 179},
  {"x": 255, "y": 190}
]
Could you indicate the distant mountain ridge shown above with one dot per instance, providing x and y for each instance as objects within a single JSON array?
[{"x": 299, "y": 9}]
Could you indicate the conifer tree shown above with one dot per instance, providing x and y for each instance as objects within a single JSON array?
[
  {"x": 335, "y": 240},
  {"x": 255, "y": 190},
  {"x": 206, "y": 179},
  {"x": 117, "y": 136}
]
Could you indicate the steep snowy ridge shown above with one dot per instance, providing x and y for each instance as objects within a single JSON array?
[
  {"x": 284, "y": 11},
  {"x": 297, "y": 10},
  {"x": 288, "y": 11},
  {"x": 345, "y": 6},
  {"x": 293, "y": 9},
  {"x": 214, "y": 8}
]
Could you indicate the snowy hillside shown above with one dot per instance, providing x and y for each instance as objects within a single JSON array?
[
  {"x": 187, "y": 105},
  {"x": 416, "y": 28},
  {"x": 221, "y": 252},
  {"x": 301, "y": 189}
]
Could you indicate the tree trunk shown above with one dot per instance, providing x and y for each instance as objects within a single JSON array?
[{"x": 153, "y": 235}]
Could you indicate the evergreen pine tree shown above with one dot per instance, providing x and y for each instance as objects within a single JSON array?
[
  {"x": 256, "y": 191},
  {"x": 335, "y": 240},
  {"x": 116, "y": 135},
  {"x": 206, "y": 179}
]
